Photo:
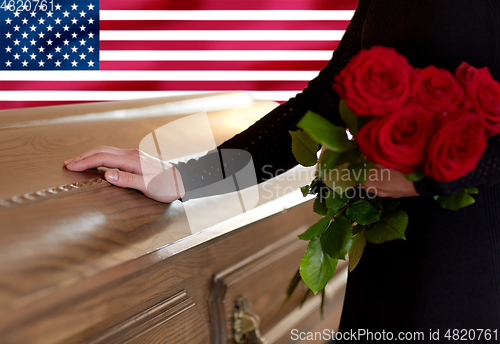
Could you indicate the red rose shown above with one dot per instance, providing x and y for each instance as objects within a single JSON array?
[
  {"x": 484, "y": 94},
  {"x": 400, "y": 140},
  {"x": 376, "y": 82},
  {"x": 456, "y": 147},
  {"x": 439, "y": 91}
]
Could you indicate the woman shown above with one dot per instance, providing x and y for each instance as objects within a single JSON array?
[{"x": 446, "y": 275}]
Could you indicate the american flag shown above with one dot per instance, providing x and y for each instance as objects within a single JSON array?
[{"x": 69, "y": 51}]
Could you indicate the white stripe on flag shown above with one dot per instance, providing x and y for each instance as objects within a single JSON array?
[
  {"x": 215, "y": 55},
  {"x": 222, "y": 35},
  {"x": 126, "y": 95},
  {"x": 274, "y": 15},
  {"x": 153, "y": 75}
]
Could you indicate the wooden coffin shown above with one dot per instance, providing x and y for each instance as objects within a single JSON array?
[{"x": 82, "y": 261}]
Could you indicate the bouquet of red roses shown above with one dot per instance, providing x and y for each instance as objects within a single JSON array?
[{"x": 421, "y": 122}]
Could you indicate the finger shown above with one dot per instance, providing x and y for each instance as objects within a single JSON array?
[
  {"x": 128, "y": 163},
  {"x": 101, "y": 149},
  {"x": 125, "y": 180}
]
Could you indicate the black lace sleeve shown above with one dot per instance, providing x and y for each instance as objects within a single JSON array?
[
  {"x": 268, "y": 141},
  {"x": 487, "y": 173}
]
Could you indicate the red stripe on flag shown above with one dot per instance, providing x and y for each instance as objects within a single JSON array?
[
  {"x": 219, "y": 45},
  {"x": 9, "y": 105},
  {"x": 223, "y": 25},
  {"x": 227, "y": 5},
  {"x": 152, "y": 85},
  {"x": 212, "y": 65}
]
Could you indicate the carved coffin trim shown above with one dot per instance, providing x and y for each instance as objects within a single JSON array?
[
  {"x": 51, "y": 193},
  {"x": 145, "y": 321},
  {"x": 225, "y": 278}
]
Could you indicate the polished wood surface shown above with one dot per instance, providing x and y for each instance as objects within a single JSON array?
[{"x": 88, "y": 262}]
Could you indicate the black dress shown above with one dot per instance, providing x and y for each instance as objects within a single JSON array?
[{"x": 446, "y": 275}]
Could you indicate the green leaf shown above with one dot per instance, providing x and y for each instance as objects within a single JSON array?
[
  {"x": 350, "y": 156},
  {"x": 458, "y": 201},
  {"x": 360, "y": 171},
  {"x": 350, "y": 119},
  {"x": 326, "y": 133},
  {"x": 327, "y": 162},
  {"x": 334, "y": 202},
  {"x": 319, "y": 206},
  {"x": 415, "y": 176},
  {"x": 304, "y": 190},
  {"x": 322, "y": 307},
  {"x": 337, "y": 239},
  {"x": 357, "y": 229},
  {"x": 316, "y": 267},
  {"x": 292, "y": 286},
  {"x": 356, "y": 251},
  {"x": 390, "y": 205},
  {"x": 472, "y": 191},
  {"x": 304, "y": 148},
  {"x": 305, "y": 297},
  {"x": 340, "y": 179},
  {"x": 362, "y": 212},
  {"x": 390, "y": 227},
  {"x": 315, "y": 230}
]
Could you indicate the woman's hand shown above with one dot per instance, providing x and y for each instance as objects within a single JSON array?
[
  {"x": 154, "y": 178},
  {"x": 389, "y": 183}
]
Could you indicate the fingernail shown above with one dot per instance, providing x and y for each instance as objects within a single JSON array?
[
  {"x": 113, "y": 175},
  {"x": 68, "y": 161}
]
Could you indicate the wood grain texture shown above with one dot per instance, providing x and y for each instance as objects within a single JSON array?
[{"x": 102, "y": 263}]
